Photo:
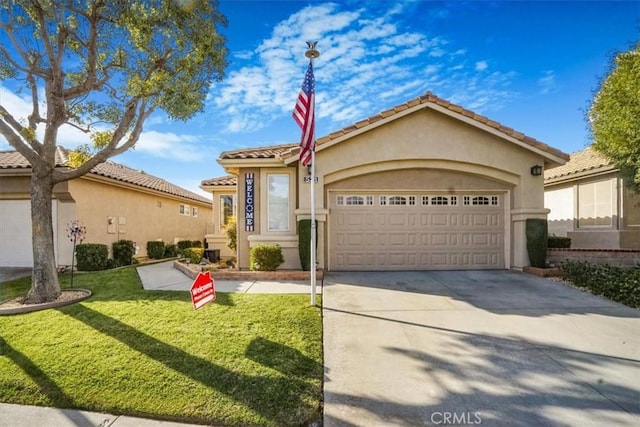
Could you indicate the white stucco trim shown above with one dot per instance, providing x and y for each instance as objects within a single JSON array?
[{"x": 470, "y": 168}]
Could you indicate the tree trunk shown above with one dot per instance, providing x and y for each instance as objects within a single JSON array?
[{"x": 45, "y": 286}]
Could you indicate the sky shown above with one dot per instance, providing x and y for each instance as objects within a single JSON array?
[{"x": 533, "y": 66}]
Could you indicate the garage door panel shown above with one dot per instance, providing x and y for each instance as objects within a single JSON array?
[{"x": 415, "y": 236}]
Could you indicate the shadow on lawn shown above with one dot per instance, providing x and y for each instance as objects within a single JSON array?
[
  {"x": 277, "y": 399},
  {"x": 47, "y": 386}
]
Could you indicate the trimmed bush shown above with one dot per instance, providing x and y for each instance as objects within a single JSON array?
[
  {"x": 170, "y": 251},
  {"x": 232, "y": 233},
  {"x": 536, "y": 231},
  {"x": 615, "y": 283},
  {"x": 558, "y": 242},
  {"x": 265, "y": 257},
  {"x": 193, "y": 255},
  {"x": 304, "y": 243},
  {"x": 155, "y": 249},
  {"x": 123, "y": 251},
  {"x": 92, "y": 256},
  {"x": 182, "y": 245}
]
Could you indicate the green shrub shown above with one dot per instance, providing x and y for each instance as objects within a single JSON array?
[
  {"x": 536, "y": 231},
  {"x": 171, "y": 251},
  {"x": 123, "y": 251},
  {"x": 155, "y": 249},
  {"x": 92, "y": 256},
  {"x": 558, "y": 242},
  {"x": 615, "y": 283},
  {"x": 232, "y": 233},
  {"x": 193, "y": 255},
  {"x": 265, "y": 257},
  {"x": 304, "y": 242},
  {"x": 182, "y": 245},
  {"x": 196, "y": 244}
]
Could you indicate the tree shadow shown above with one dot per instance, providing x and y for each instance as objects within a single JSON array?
[
  {"x": 262, "y": 394},
  {"x": 286, "y": 360},
  {"x": 503, "y": 380},
  {"x": 496, "y": 291}
]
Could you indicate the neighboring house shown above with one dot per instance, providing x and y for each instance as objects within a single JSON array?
[
  {"x": 424, "y": 185},
  {"x": 590, "y": 204},
  {"x": 113, "y": 202}
]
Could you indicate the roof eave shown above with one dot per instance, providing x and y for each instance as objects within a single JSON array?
[{"x": 574, "y": 176}]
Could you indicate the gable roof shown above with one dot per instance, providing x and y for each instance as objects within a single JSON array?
[
  {"x": 587, "y": 160},
  {"x": 428, "y": 100},
  {"x": 111, "y": 170}
]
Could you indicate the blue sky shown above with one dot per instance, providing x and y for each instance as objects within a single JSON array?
[{"x": 532, "y": 66}]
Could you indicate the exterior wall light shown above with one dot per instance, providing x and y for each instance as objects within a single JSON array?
[{"x": 536, "y": 170}]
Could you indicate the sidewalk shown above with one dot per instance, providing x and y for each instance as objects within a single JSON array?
[{"x": 36, "y": 416}]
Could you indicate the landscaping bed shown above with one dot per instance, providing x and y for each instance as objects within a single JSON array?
[
  {"x": 246, "y": 359},
  {"x": 192, "y": 270}
]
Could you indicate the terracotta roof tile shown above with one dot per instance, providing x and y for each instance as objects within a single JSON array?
[
  {"x": 108, "y": 169},
  {"x": 271, "y": 152},
  {"x": 582, "y": 161},
  {"x": 223, "y": 181}
]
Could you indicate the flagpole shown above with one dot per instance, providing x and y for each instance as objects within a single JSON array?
[{"x": 312, "y": 53}]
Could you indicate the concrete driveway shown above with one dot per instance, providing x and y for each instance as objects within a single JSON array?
[{"x": 476, "y": 347}]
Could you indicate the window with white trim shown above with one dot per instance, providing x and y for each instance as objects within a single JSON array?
[
  {"x": 184, "y": 209},
  {"x": 397, "y": 200},
  {"x": 194, "y": 212},
  {"x": 278, "y": 202},
  {"x": 354, "y": 200},
  {"x": 439, "y": 200},
  {"x": 480, "y": 200},
  {"x": 227, "y": 209}
]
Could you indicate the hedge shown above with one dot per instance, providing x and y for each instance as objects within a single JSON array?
[
  {"x": 304, "y": 242},
  {"x": 536, "y": 231},
  {"x": 265, "y": 257},
  {"x": 155, "y": 249},
  {"x": 92, "y": 256},
  {"x": 559, "y": 242},
  {"x": 123, "y": 251},
  {"x": 615, "y": 283},
  {"x": 193, "y": 255}
]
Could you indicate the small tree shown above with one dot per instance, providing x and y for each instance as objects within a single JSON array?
[
  {"x": 232, "y": 233},
  {"x": 614, "y": 116},
  {"x": 103, "y": 67}
]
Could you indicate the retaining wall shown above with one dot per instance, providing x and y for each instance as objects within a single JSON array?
[{"x": 618, "y": 257}]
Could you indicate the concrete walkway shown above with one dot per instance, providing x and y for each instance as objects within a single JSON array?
[
  {"x": 490, "y": 348},
  {"x": 163, "y": 277}
]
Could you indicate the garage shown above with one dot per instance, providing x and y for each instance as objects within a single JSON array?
[
  {"x": 15, "y": 233},
  {"x": 404, "y": 230}
]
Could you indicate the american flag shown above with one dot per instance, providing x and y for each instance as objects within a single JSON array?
[{"x": 304, "y": 115}]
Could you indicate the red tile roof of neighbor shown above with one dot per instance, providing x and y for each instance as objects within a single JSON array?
[
  {"x": 108, "y": 169},
  {"x": 287, "y": 149},
  {"x": 582, "y": 161}
]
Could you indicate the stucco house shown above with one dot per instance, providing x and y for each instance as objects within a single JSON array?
[
  {"x": 113, "y": 202},
  {"x": 424, "y": 185},
  {"x": 590, "y": 204}
]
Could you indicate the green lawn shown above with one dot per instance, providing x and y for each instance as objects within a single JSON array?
[{"x": 242, "y": 360}]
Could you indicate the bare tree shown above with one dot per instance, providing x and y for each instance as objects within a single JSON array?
[{"x": 102, "y": 66}]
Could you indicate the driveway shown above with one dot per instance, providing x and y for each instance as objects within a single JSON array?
[{"x": 476, "y": 347}]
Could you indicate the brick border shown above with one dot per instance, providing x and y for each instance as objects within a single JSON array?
[{"x": 192, "y": 270}]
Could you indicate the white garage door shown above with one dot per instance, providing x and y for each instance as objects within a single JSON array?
[
  {"x": 401, "y": 231},
  {"x": 15, "y": 233}
]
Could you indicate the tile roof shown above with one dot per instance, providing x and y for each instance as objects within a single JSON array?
[
  {"x": 229, "y": 180},
  {"x": 582, "y": 161},
  {"x": 108, "y": 169},
  {"x": 270, "y": 152}
]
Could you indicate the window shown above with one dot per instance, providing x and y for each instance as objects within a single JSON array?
[
  {"x": 340, "y": 200},
  {"x": 596, "y": 204},
  {"x": 194, "y": 212},
  {"x": 425, "y": 200},
  {"x": 227, "y": 209},
  {"x": 480, "y": 200},
  {"x": 355, "y": 200},
  {"x": 278, "y": 202},
  {"x": 184, "y": 209},
  {"x": 440, "y": 200}
]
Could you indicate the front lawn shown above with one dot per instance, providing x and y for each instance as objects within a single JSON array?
[{"x": 242, "y": 360}]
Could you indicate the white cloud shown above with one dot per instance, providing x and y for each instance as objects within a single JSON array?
[
  {"x": 168, "y": 145},
  {"x": 547, "y": 82},
  {"x": 368, "y": 61},
  {"x": 481, "y": 65}
]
